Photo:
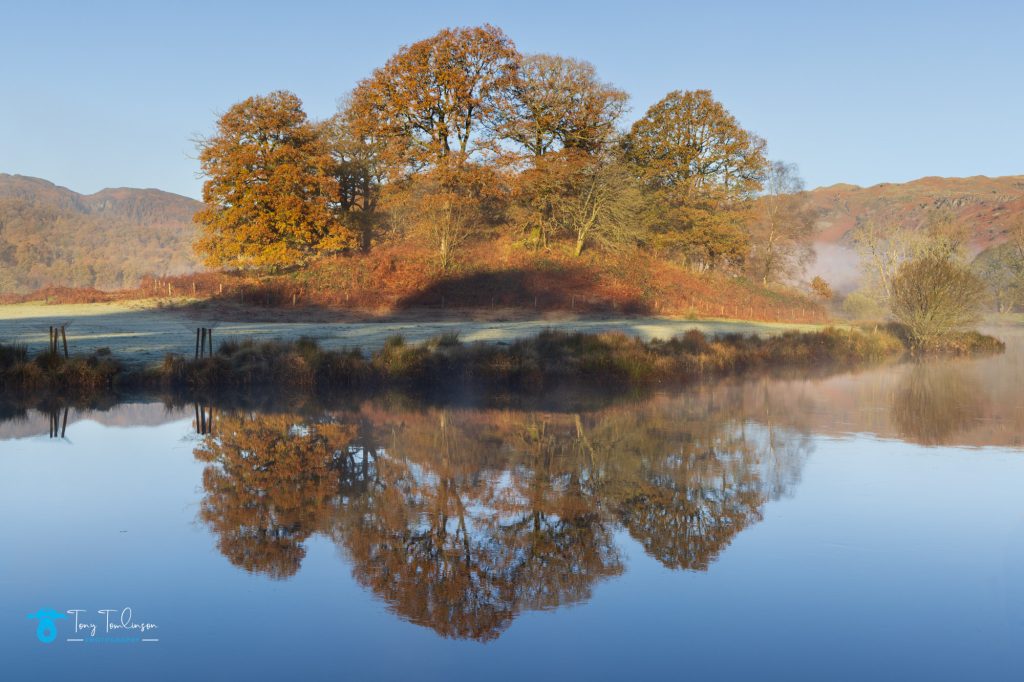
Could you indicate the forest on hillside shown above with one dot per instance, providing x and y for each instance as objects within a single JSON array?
[{"x": 51, "y": 236}]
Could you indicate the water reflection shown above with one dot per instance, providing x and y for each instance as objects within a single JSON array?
[
  {"x": 935, "y": 401},
  {"x": 58, "y": 422},
  {"x": 461, "y": 519}
]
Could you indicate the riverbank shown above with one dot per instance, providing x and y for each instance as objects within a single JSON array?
[
  {"x": 142, "y": 333},
  {"x": 547, "y": 360}
]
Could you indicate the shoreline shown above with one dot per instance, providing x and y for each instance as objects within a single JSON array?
[
  {"x": 547, "y": 361},
  {"x": 142, "y": 334}
]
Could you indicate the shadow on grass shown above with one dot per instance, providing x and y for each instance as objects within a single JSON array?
[{"x": 545, "y": 289}]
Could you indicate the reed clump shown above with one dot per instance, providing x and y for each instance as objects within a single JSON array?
[
  {"x": 547, "y": 360},
  {"x": 19, "y": 371}
]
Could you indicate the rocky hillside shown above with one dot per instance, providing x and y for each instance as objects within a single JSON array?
[
  {"x": 987, "y": 205},
  {"x": 52, "y": 236}
]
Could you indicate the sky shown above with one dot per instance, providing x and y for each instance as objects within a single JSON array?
[{"x": 113, "y": 94}]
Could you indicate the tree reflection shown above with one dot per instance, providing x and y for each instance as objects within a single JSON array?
[
  {"x": 459, "y": 520},
  {"x": 935, "y": 401},
  {"x": 273, "y": 482}
]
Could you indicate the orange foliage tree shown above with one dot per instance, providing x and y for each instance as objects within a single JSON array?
[
  {"x": 438, "y": 96},
  {"x": 270, "y": 195},
  {"x": 700, "y": 166},
  {"x": 560, "y": 103}
]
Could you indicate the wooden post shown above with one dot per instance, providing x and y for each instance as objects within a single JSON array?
[
  {"x": 209, "y": 335},
  {"x": 64, "y": 338},
  {"x": 295, "y": 298},
  {"x": 170, "y": 290},
  {"x": 197, "y": 343},
  {"x": 193, "y": 288},
  {"x": 202, "y": 344},
  {"x": 222, "y": 287},
  {"x": 64, "y": 425}
]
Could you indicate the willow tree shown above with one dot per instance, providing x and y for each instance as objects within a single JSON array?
[
  {"x": 702, "y": 167},
  {"x": 269, "y": 193}
]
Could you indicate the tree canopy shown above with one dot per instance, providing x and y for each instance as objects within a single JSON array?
[
  {"x": 270, "y": 193},
  {"x": 701, "y": 166},
  {"x": 459, "y": 137}
]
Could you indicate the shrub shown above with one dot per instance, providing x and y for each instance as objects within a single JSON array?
[{"x": 935, "y": 297}]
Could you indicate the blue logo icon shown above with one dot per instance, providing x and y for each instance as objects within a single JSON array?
[{"x": 47, "y": 630}]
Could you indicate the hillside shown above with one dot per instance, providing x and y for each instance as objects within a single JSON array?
[
  {"x": 52, "y": 236},
  {"x": 988, "y": 205}
]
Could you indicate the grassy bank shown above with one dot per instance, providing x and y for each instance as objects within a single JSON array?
[{"x": 547, "y": 360}]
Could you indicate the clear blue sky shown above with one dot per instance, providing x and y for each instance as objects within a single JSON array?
[{"x": 101, "y": 94}]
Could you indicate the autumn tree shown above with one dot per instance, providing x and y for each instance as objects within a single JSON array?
[
  {"x": 822, "y": 288},
  {"x": 437, "y": 97},
  {"x": 945, "y": 235},
  {"x": 781, "y": 227},
  {"x": 1001, "y": 267},
  {"x": 444, "y": 206},
  {"x": 270, "y": 195},
  {"x": 934, "y": 296},
  {"x": 359, "y": 170},
  {"x": 560, "y": 103},
  {"x": 882, "y": 247},
  {"x": 700, "y": 167},
  {"x": 599, "y": 203}
]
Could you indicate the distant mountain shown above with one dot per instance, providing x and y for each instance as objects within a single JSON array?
[
  {"x": 52, "y": 236},
  {"x": 988, "y": 206}
]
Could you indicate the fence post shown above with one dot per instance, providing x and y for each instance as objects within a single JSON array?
[
  {"x": 202, "y": 343},
  {"x": 210, "y": 336},
  {"x": 197, "y": 343},
  {"x": 64, "y": 338}
]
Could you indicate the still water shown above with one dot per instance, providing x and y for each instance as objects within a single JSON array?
[{"x": 856, "y": 526}]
